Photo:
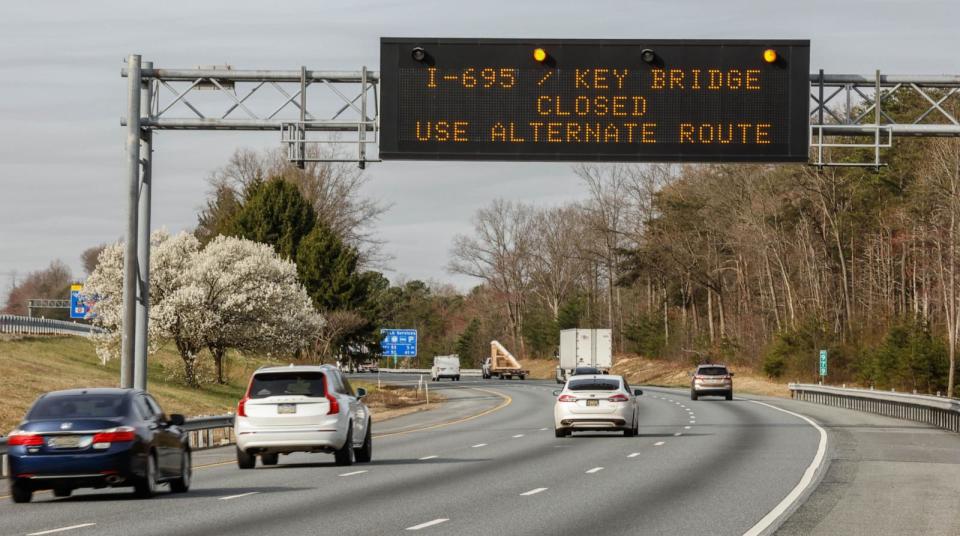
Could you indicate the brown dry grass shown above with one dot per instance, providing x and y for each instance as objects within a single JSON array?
[
  {"x": 641, "y": 371},
  {"x": 387, "y": 402}
]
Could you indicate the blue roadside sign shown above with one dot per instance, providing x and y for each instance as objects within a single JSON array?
[
  {"x": 399, "y": 342},
  {"x": 79, "y": 307},
  {"x": 823, "y": 363}
]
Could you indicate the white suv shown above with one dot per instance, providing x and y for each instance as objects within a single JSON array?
[{"x": 302, "y": 409}]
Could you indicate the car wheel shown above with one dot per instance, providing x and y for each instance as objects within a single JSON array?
[
  {"x": 269, "y": 458},
  {"x": 62, "y": 492},
  {"x": 344, "y": 455},
  {"x": 729, "y": 395},
  {"x": 21, "y": 492},
  {"x": 523, "y": 376},
  {"x": 245, "y": 460},
  {"x": 365, "y": 453},
  {"x": 146, "y": 486},
  {"x": 182, "y": 484},
  {"x": 693, "y": 395},
  {"x": 560, "y": 432}
]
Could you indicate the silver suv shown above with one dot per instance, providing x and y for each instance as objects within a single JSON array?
[{"x": 711, "y": 380}]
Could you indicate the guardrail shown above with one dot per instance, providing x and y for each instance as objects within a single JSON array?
[
  {"x": 937, "y": 411},
  {"x": 205, "y": 432},
  {"x": 25, "y": 325}
]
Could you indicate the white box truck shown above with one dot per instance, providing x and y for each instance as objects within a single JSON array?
[
  {"x": 446, "y": 366},
  {"x": 584, "y": 348}
]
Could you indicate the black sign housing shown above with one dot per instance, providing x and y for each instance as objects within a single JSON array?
[{"x": 594, "y": 100}]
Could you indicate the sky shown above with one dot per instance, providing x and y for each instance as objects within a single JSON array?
[{"x": 62, "y": 164}]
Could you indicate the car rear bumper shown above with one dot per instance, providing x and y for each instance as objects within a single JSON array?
[
  {"x": 87, "y": 470},
  {"x": 592, "y": 423},
  {"x": 298, "y": 440},
  {"x": 713, "y": 390}
]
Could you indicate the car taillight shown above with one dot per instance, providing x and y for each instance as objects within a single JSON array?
[
  {"x": 567, "y": 398},
  {"x": 334, "y": 405},
  {"x": 619, "y": 397},
  {"x": 24, "y": 439},
  {"x": 242, "y": 407},
  {"x": 120, "y": 434}
]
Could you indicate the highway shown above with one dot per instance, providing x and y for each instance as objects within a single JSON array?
[{"x": 486, "y": 463}]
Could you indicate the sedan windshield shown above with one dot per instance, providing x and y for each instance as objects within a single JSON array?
[
  {"x": 593, "y": 384},
  {"x": 287, "y": 383},
  {"x": 78, "y": 407}
]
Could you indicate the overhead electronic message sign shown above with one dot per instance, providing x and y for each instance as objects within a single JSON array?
[{"x": 594, "y": 100}]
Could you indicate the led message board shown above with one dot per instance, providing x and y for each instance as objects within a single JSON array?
[{"x": 594, "y": 100}]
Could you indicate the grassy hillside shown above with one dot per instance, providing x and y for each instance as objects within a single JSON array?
[{"x": 30, "y": 366}]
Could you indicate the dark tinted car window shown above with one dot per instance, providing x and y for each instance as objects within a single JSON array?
[
  {"x": 712, "y": 371},
  {"x": 594, "y": 384},
  {"x": 287, "y": 383},
  {"x": 79, "y": 407}
]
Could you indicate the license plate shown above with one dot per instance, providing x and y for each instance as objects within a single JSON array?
[
  {"x": 591, "y": 403},
  {"x": 286, "y": 409},
  {"x": 66, "y": 442}
]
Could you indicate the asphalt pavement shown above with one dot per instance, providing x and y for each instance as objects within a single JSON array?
[{"x": 485, "y": 463}]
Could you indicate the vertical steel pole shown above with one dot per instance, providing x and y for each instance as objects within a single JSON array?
[
  {"x": 129, "y": 327},
  {"x": 362, "y": 134},
  {"x": 876, "y": 139},
  {"x": 143, "y": 239}
]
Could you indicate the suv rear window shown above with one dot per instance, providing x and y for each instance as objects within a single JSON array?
[
  {"x": 287, "y": 383},
  {"x": 593, "y": 384},
  {"x": 79, "y": 407},
  {"x": 712, "y": 371}
]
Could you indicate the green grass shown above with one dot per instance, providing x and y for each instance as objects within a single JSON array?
[{"x": 30, "y": 366}]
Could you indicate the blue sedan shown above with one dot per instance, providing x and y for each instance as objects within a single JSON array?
[{"x": 97, "y": 438}]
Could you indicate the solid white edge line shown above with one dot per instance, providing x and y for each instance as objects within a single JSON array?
[
  {"x": 228, "y": 497},
  {"x": 428, "y": 524},
  {"x": 805, "y": 481},
  {"x": 51, "y": 531},
  {"x": 532, "y": 492},
  {"x": 354, "y": 473}
]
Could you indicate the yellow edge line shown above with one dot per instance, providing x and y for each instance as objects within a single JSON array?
[{"x": 507, "y": 400}]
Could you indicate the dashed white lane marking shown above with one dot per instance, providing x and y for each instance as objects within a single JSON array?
[
  {"x": 429, "y": 457},
  {"x": 518, "y": 435},
  {"x": 686, "y": 427},
  {"x": 354, "y": 473},
  {"x": 249, "y": 493},
  {"x": 658, "y": 443},
  {"x": 678, "y": 434},
  {"x": 71, "y": 527},
  {"x": 428, "y": 524},
  {"x": 633, "y": 455},
  {"x": 544, "y": 429},
  {"x": 478, "y": 445},
  {"x": 594, "y": 470},
  {"x": 532, "y": 492}
]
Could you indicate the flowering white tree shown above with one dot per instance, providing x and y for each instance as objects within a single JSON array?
[
  {"x": 234, "y": 293},
  {"x": 251, "y": 300}
]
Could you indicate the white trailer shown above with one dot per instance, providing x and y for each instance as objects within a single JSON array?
[
  {"x": 584, "y": 348},
  {"x": 446, "y": 366}
]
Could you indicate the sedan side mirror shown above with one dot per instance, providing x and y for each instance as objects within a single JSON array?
[
  {"x": 177, "y": 420},
  {"x": 731, "y": 374},
  {"x": 556, "y": 393},
  {"x": 361, "y": 392},
  {"x": 637, "y": 392}
]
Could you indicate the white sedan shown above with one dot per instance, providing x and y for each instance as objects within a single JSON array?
[{"x": 597, "y": 403}]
